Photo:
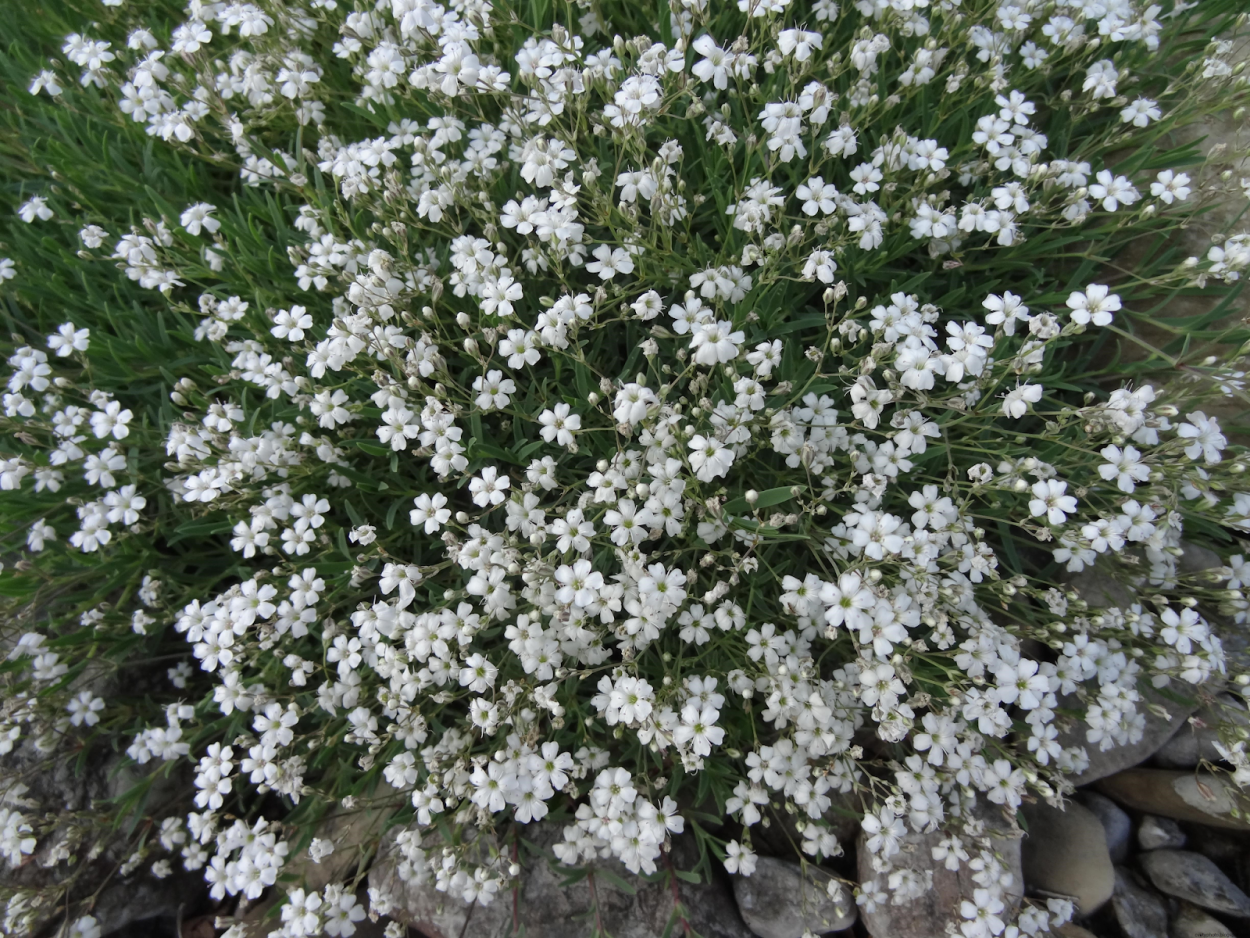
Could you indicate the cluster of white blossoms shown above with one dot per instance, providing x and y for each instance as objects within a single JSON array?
[{"x": 638, "y": 401}]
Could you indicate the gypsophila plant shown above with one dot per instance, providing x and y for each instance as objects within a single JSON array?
[{"x": 565, "y": 413}]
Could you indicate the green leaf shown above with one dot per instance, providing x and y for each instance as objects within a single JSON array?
[
  {"x": 370, "y": 447},
  {"x": 767, "y": 499},
  {"x": 201, "y": 528}
]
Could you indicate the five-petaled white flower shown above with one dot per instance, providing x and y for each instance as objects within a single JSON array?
[
  {"x": 430, "y": 511},
  {"x": 489, "y": 488},
  {"x": 1050, "y": 498}
]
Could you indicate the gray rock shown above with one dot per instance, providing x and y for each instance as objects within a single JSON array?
[
  {"x": 929, "y": 915},
  {"x": 1100, "y": 590},
  {"x": 1200, "y": 797},
  {"x": 782, "y": 900},
  {"x": 1065, "y": 853},
  {"x": 546, "y": 907},
  {"x": 1195, "y": 559},
  {"x": 782, "y": 837},
  {"x": 1195, "y": 741},
  {"x": 1192, "y": 922},
  {"x": 1159, "y": 833},
  {"x": 1116, "y": 824},
  {"x": 1072, "y": 930},
  {"x": 56, "y": 788},
  {"x": 1194, "y": 878},
  {"x": 1140, "y": 912},
  {"x": 1222, "y": 846},
  {"x": 1156, "y": 733}
]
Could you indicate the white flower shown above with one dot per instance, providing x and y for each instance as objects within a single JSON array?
[
  {"x": 820, "y": 266},
  {"x": 111, "y": 420},
  {"x": 498, "y": 297},
  {"x": 1016, "y": 402},
  {"x": 1100, "y": 79},
  {"x": 848, "y": 602},
  {"x": 1204, "y": 436},
  {"x": 489, "y": 488},
  {"x": 610, "y": 261},
  {"x": 1095, "y": 305},
  {"x": 199, "y": 217},
  {"x": 710, "y": 458},
  {"x": 739, "y": 859},
  {"x": 291, "y": 324},
  {"x": 320, "y": 848},
  {"x": 559, "y": 425},
  {"x": 1004, "y": 785},
  {"x": 8, "y": 270},
  {"x": 68, "y": 339},
  {"x": 632, "y": 402},
  {"x": 648, "y": 306},
  {"x": 430, "y": 512},
  {"x": 1021, "y": 684},
  {"x": 1125, "y": 466},
  {"x": 478, "y": 674},
  {"x": 39, "y": 534},
  {"x": 629, "y": 525},
  {"x": 1170, "y": 187},
  {"x": 1005, "y": 310},
  {"x": 84, "y": 709},
  {"x": 1113, "y": 191},
  {"x": 715, "y": 342},
  {"x": 190, "y": 36},
  {"x": 715, "y": 64},
  {"x": 46, "y": 80},
  {"x": 364, "y": 535},
  {"x": 578, "y": 584},
  {"x": 799, "y": 42},
  {"x": 1183, "y": 630},
  {"x": 818, "y": 196},
  {"x": 884, "y": 830},
  {"x": 493, "y": 390},
  {"x": 1141, "y": 112},
  {"x": 34, "y": 207},
  {"x": 1050, "y": 499}
]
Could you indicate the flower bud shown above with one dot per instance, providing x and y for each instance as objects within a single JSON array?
[{"x": 752, "y": 496}]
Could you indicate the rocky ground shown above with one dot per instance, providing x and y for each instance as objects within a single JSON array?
[{"x": 1151, "y": 845}]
